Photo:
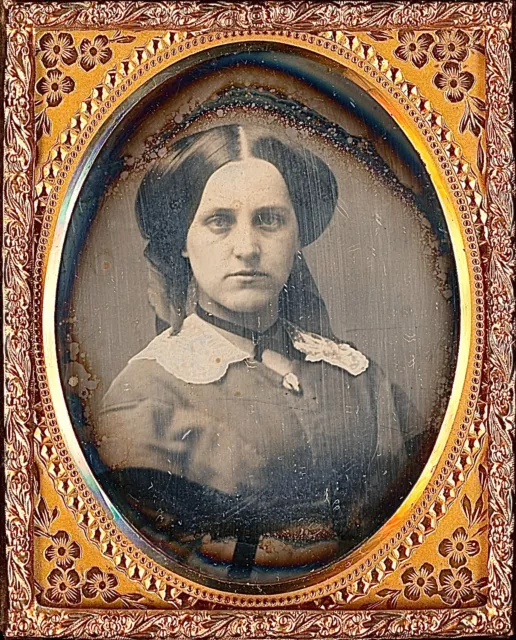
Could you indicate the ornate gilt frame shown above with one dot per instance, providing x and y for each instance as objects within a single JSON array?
[{"x": 472, "y": 149}]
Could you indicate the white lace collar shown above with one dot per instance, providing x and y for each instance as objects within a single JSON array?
[{"x": 199, "y": 354}]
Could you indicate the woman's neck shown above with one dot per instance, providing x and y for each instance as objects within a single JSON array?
[{"x": 254, "y": 321}]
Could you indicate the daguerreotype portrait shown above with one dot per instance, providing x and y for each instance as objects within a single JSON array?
[
  {"x": 247, "y": 437},
  {"x": 266, "y": 266}
]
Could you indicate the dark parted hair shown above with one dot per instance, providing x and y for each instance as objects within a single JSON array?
[{"x": 170, "y": 193}]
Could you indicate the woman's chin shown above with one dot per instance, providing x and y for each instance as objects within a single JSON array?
[{"x": 256, "y": 304}]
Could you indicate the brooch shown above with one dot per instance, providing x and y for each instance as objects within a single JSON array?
[{"x": 291, "y": 382}]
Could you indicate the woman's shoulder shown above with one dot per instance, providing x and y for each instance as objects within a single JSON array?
[
  {"x": 139, "y": 380},
  {"x": 196, "y": 354}
]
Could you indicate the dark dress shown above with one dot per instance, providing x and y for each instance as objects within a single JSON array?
[{"x": 208, "y": 444}]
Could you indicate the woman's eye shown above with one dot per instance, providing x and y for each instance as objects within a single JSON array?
[
  {"x": 220, "y": 222},
  {"x": 269, "y": 219}
]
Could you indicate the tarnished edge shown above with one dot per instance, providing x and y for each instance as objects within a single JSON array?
[
  {"x": 17, "y": 253},
  {"x": 18, "y": 227},
  {"x": 57, "y": 623},
  {"x": 499, "y": 267},
  {"x": 298, "y": 15}
]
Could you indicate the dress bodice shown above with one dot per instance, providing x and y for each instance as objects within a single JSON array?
[{"x": 197, "y": 429}]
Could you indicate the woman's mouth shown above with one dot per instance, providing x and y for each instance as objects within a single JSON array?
[{"x": 247, "y": 274}]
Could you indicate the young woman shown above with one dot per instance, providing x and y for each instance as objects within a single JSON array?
[{"x": 246, "y": 437}]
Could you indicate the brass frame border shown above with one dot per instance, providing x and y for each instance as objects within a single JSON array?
[{"x": 18, "y": 225}]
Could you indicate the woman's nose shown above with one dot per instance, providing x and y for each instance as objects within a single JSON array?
[{"x": 246, "y": 244}]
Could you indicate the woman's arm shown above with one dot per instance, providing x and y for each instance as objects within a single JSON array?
[
  {"x": 382, "y": 483},
  {"x": 137, "y": 425}
]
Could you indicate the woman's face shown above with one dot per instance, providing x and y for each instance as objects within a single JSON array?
[{"x": 243, "y": 239}]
